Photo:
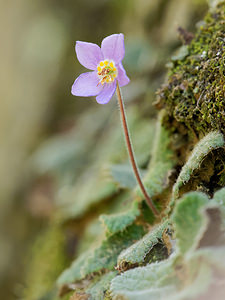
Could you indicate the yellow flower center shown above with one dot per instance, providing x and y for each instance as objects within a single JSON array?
[{"x": 107, "y": 72}]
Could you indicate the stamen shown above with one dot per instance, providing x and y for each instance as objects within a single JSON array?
[{"x": 107, "y": 72}]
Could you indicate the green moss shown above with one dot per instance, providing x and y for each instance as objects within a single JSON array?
[{"x": 195, "y": 91}]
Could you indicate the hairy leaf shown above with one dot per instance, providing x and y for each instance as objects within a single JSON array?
[{"x": 118, "y": 222}]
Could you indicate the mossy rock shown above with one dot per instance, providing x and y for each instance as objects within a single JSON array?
[{"x": 195, "y": 89}]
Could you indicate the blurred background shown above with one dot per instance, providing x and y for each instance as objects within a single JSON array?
[{"x": 48, "y": 137}]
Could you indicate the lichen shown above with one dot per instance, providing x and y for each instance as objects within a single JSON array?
[{"x": 195, "y": 89}]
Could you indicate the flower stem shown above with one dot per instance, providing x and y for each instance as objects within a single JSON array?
[{"x": 131, "y": 152}]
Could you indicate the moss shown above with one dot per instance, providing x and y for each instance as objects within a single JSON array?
[{"x": 195, "y": 90}]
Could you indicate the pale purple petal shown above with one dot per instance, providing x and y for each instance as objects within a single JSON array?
[
  {"x": 87, "y": 84},
  {"x": 107, "y": 93},
  {"x": 122, "y": 76},
  {"x": 113, "y": 47},
  {"x": 88, "y": 54}
]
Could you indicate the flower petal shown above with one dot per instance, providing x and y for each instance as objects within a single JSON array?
[
  {"x": 88, "y": 54},
  {"x": 87, "y": 84},
  {"x": 122, "y": 76},
  {"x": 107, "y": 93},
  {"x": 113, "y": 47}
]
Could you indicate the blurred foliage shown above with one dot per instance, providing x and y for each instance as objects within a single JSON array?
[{"x": 50, "y": 244}]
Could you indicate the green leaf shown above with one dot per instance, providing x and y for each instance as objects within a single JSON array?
[
  {"x": 93, "y": 182},
  {"x": 66, "y": 153},
  {"x": 154, "y": 281},
  {"x": 161, "y": 163},
  {"x": 206, "y": 268},
  {"x": 213, "y": 256},
  {"x": 74, "y": 201},
  {"x": 124, "y": 175},
  {"x": 174, "y": 278},
  {"x": 198, "y": 280},
  {"x": 137, "y": 253},
  {"x": 219, "y": 198},
  {"x": 98, "y": 289},
  {"x": 103, "y": 256},
  {"x": 106, "y": 255},
  {"x": 211, "y": 141},
  {"x": 118, "y": 222},
  {"x": 73, "y": 273},
  {"x": 189, "y": 221}
]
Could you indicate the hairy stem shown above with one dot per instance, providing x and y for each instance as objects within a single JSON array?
[{"x": 131, "y": 152}]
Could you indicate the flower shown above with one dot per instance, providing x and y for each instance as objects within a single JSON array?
[{"x": 106, "y": 66}]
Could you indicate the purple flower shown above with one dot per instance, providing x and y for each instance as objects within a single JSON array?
[{"x": 106, "y": 66}]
